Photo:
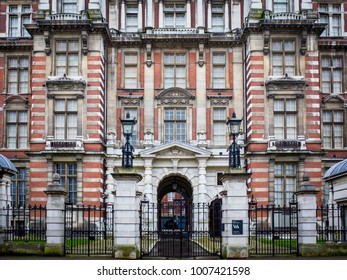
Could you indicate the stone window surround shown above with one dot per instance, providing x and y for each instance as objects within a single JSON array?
[
  {"x": 7, "y": 56},
  {"x": 57, "y": 6},
  {"x": 284, "y": 88},
  {"x": 16, "y": 180},
  {"x": 52, "y": 160},
  {"x": 15, "y": 103},
  {"x": 134, "y": 52},
  {"x": 330, "y": 13},
  {"x": 175, "y": 98},
  {"x": 227, "y": 65},
  {"x": 287, "y": 159},
  {"x": 67, "y": 38},
  {"x": 175, "y": 52},
  {"x": 336, "y": 103},
  {"x": 294, "y": 52},
  {"x": 344, "y": 71},
  {"x": 20, "y": 16},
  {"x": 133, "y": 102},
  {"x": 65, "y": 88}
]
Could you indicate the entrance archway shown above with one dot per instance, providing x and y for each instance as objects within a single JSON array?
[
  {"x": 174, "y": 226},
  {"x": 175, "y": 207}
]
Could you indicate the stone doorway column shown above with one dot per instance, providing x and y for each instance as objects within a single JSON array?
[
  {"x": 235, "y": 214},
  {"x": 126, "y": 215}
]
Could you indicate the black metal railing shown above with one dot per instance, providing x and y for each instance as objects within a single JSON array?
[
  {"x": 180, "y": 229},
  {"x": 273, "y": 230},
  {"x": 26, "y": 224},
  {"x": 331, "y": 223},
  {"x": 89, "y": 230}
]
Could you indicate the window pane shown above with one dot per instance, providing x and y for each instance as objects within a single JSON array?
[
  {"x": 23, "y": 116},
  {"x": 72, "y": 105},
  {"x": 169, "y": 114},
  {"x": 219, "y": 133},
  {"x": 279, "y": 126},
  {"x": 338, "y": 116},
  {"x": 278, "y": 105},
  {"x": 289, "y": 46},
  {"x": 59, "y": 105},
  {"x": 11, "y": 136},
  {"x": 180, "y": 114},
  {"x": 290, "y": 105},
  {"x": 11, "y": 116},
  {"x": 219, "y": 114},
  {"x": 180, "y": 59},
  {"x": 59, "y": 126}
]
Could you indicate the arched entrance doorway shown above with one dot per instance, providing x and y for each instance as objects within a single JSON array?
[
  {"x": 174, "y": 207},
  {"x": 174, "y": 226}
]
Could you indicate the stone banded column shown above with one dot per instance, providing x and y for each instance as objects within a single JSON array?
[
  {"x": 307, "y": 215},
  {"x": 126, "y": 211},
  {"x": 235, "y": 214},
  {"x": 55, "y": 207}
]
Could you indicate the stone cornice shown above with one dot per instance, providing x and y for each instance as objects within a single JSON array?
[
  {"x": 17, "y": 44},
  {"x": 65, "y": 83}
]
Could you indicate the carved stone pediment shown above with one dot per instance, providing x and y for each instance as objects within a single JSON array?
[
  {"x": 221, "y": 100},
  {"x": 175, "y": 96},
  {"x": 16, "y": 102},
  {"x": 65, "y": 83},
  {"x": 295, "y": 85},
  {"x": 175, "y": 150},
  {"x": 130, "y": 100},
  {"x": 175, "y": 153}
]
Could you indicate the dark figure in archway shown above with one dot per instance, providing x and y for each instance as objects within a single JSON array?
[{"x": 171, "y": 224}]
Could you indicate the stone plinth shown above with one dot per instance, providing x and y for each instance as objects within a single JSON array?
[
  {"x": 127, "y": 236},
  {"x": 235, "y": 214}
]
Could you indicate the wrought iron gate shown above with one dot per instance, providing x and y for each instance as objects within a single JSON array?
[
  {"x": 88, "y": 230},
  {"x": 180, "y": 229},
  {"x": 273, "y": 230}
]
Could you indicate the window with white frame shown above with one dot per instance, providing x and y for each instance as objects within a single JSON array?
[
  {"x": 331, "y": 15},
  {"x": 285, "y": 182},
  {"x": 332, "y": 71},
  {"x": 283, "y": 57},
  {"x": 17, "y": 74},
  {"x": 69, "y": 6},
  {"x": 281, "y": 6},
  {"x": 67, "y": 56},
  {"x": 133, "y": 114},
  {"x": 19, "y": 188},
  {"x": 219, "y": 126},
  {"x": 18, "y": 16},
  {"x": 217, "y": 17},
  {"x": 131, "y": 22},
  {"x": 218, "y": 70},
  {"x": 16, "y": 129},
  {"x": 174, "y": 70},
  {"x": 175, "y": 122},
  {"x": 285, "y": 119},
  {"x": 174, "y": 15},
  {"x": 130, "y": 70},
  {"x": 65, "y": 119},
  {"x": 68, "y": 179},
  {"x": 333, "y": 129}
]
